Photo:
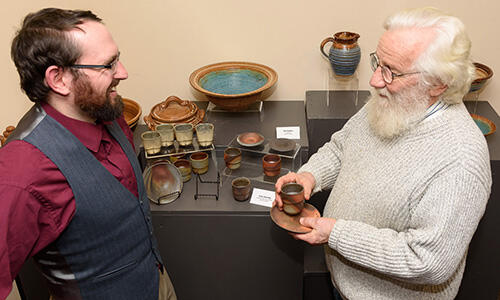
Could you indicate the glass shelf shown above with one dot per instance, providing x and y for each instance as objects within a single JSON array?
[{"x": 265, "y": 148}]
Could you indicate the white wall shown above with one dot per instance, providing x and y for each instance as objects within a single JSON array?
[{"x": 163, "y": 41}]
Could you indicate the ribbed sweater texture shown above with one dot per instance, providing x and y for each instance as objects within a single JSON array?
[{"x": 406, "y": 208}]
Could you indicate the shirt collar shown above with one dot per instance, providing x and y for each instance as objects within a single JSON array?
[
  {"x": 434, "y": 108},
  {"x": 89, "y": 134}
]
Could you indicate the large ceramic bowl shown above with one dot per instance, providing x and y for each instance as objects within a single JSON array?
[
  {"x": 233, "y": 85},
  {"x": 131, "y": 112},
  {"x": 483, "y": 73}
]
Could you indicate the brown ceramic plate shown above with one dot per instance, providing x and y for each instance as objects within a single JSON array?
[
  {"x": 173, "y": 110},
  {"x": 250, "y": 139},
  {"x": 291, "y": 223},
  {"x": 282, "y": 145}
]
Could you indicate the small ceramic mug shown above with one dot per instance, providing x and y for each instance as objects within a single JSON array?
[
  {"x": 151, "y": 141},
  {"x": 232, "y": 158},
  {"x": 199, "y": 162},
  {"x": 292, "y": 195},
  {"x": 271, "y": 163},
  {"x": 184, "y": 134},
  {"x": 166, "y": 132},
  {"x": 241, "y": 188},
  {"x": 205, "y": 134},
  {"x": 184, "y": 166}
]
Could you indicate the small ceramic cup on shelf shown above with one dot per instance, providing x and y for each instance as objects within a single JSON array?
[
  {"x": 205, "y": 134},
  {"x": 292, "y": 195},
  {"x": 184, "y": 133},
  {"x": 151, "y": 141},
  {"x": 232, "y": 158},
  {"x": 184, "y": 166},
  {"x": 271, "y": 163},
  {"x": 166, "y": 132},
  {"x": 199, "y": 162},
  {"x": 241, "y": 188}
]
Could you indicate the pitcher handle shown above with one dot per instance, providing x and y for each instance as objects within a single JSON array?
[{"x": 323, "y": 43}]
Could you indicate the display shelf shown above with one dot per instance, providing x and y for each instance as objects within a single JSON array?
[{"x": 265, "y": 148}]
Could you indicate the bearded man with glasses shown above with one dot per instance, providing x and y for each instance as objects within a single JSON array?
[
  {"x": 73, "y": 197},
  {"x": 410, "y": 172}
]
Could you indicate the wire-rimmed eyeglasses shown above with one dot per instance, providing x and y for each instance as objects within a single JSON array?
[
  {"x": 387, "y": 73},
  {"x": 111, "y": 66}
]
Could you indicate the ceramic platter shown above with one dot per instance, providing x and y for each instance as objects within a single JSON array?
[
  {"x": 291, "y": 223},
  {"x": 163, "y": 182},
  {"x": 250, "y": 139},
  {"x": 282, "y": 145},
  {"x": 487, "y": 127}
]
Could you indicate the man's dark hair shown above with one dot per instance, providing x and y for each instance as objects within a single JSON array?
[{"x": 43, "y": 41}]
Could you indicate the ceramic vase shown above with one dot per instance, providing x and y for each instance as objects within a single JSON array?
[{"x": 345, "y": 54}]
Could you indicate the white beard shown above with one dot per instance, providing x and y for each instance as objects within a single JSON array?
[{"x": 395, "y": 114}]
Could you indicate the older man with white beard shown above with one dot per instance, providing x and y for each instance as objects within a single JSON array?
[{"x": 409, "y": 173}]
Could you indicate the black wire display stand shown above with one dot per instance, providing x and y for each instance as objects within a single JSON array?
[{"x": 200, "y": 180}]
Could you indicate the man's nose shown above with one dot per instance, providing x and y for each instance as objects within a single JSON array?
[
  {"x": 377, "y": 81},
  {"x": 121, "y": 72}
]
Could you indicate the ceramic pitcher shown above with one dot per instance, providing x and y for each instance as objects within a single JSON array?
[{"x": 344, "y": 54}]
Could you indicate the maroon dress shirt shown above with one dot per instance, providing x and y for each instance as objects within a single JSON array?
[{"x": 36, "y": 202}]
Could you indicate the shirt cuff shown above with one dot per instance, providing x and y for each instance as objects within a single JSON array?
[{"x": 334, "y": 238}]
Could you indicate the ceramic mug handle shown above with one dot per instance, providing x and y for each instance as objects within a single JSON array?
[{"x": 323, "y": 43}]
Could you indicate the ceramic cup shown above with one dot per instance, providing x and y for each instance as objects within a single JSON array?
[
  {"x": 173, "y": 158},
  {"x": 232, "y": 158},
  {"x": 184, "y": 166},
  {"x": 151, "y": 141},
  {"x": 199, "y": 162},
  {"x": 166, "y": 132},
  {"x": 184, "y": 134},
  {"x": 205, "y": 134},
  {"x": 271, "y": 163},
  {"x": 292, "y": 195},
  {"x": 241, "y": 188}
]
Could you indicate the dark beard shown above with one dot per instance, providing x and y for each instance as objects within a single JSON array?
[{"x": 97, "y": 106}]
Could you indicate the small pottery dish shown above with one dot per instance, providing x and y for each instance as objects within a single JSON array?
[
  {"x": 233, "y": 85},
  {"x": 250, "y": 139},
  {"x": 487, "y": 126},
  {"x": 483, "y": 73},
  {"x": 282, "y": 145},
  {"x": 291, "y": 222},
  {"x": 163, "y": 182}
]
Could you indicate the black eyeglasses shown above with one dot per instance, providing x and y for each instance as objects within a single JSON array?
[
  {"x": 111, "y": 66},
  {"x": 387, "y": 73}
]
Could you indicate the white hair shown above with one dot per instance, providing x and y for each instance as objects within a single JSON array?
[{"x": 447, "y": 59}]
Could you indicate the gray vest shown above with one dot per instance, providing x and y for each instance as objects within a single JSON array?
[{"x": 108, "y": 250}]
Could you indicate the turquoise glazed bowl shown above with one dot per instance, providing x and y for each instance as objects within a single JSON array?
[{"x": 233, "y": 85}]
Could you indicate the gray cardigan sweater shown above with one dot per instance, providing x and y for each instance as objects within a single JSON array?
[{"x": 406, "y": 208}]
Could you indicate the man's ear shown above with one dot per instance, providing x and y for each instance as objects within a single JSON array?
[
  {"x": 58, "y": 80},
  {"x": 438, "y": 90}
]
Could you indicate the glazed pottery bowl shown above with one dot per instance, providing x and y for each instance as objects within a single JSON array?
[
  {"x": 483, "y": 74},
  {"x": 184, "y": 133},
  {"x": 232, "y": 158},
  {"x": 199, "y": 162},
  {"x": 292, "y": 195},
  {"x": 271, "y": 164},
  {"x": 233, "y": 85},
  {"x": 241, "y": 188},
  {"x": 184, "y": 167},
  {"x": 131, "y": 112}
]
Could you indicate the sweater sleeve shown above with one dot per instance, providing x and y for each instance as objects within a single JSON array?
[
  {"x": 325, "y": 164},
  {"x": 440, "y": 230}
]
